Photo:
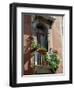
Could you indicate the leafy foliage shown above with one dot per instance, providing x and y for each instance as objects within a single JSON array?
[
  {"x": 34, "y": 45},
  {"x": 53, "y": 61}
]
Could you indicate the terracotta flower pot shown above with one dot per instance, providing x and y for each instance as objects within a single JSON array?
[
  {"x": 44, "y": 63},
  {"x": 42, "y": 51}
]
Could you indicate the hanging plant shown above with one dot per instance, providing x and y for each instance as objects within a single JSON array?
[{"x": 42, "y": 51}]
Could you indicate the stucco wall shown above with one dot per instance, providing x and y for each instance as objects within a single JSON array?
[{"x": 57, "y": 39}]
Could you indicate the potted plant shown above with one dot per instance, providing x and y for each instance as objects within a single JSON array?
[
  {"x": 42, "y": 51},
  {"x": 52, "y": 61}
]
